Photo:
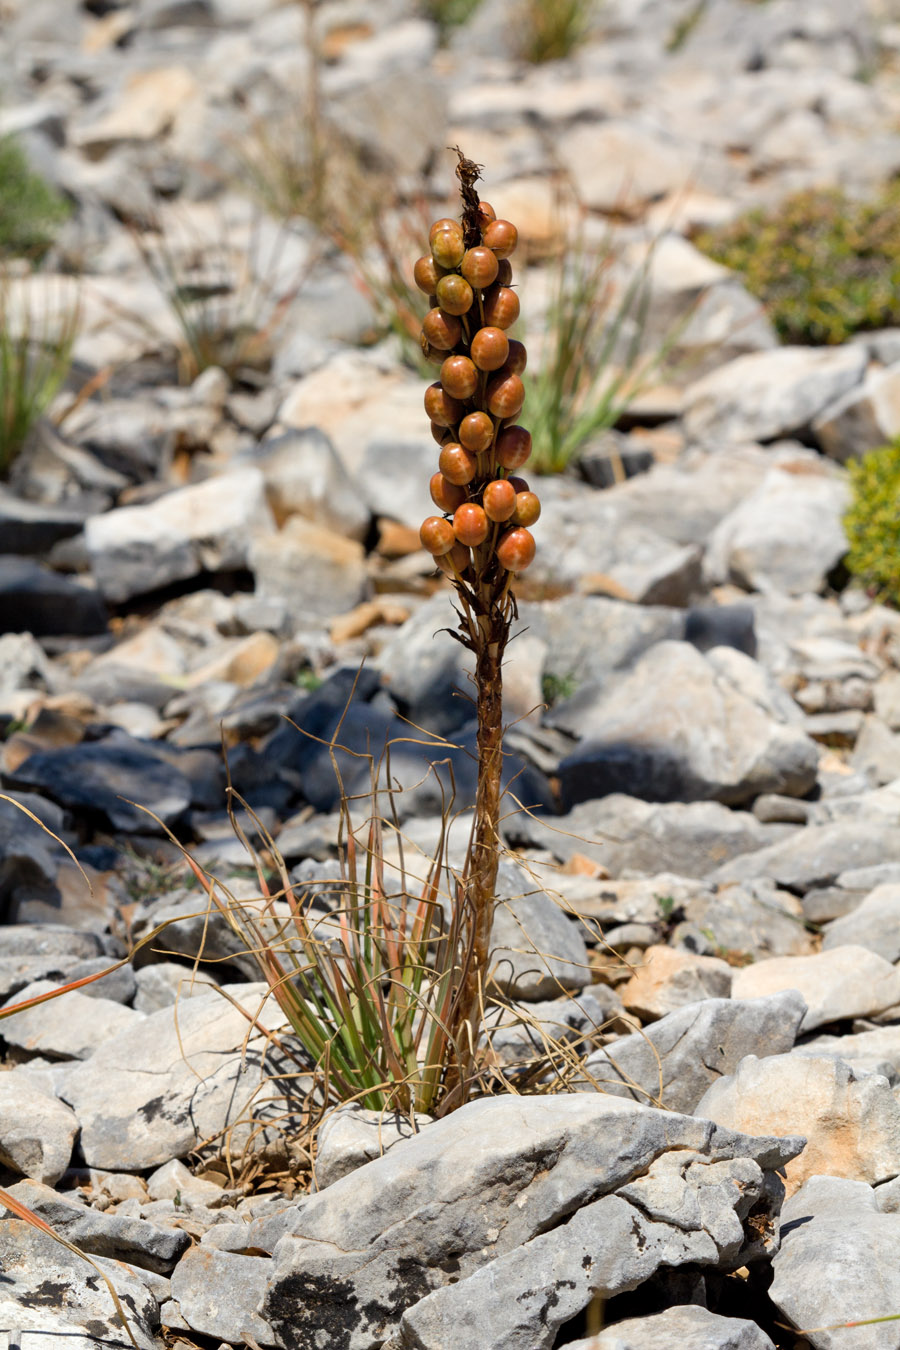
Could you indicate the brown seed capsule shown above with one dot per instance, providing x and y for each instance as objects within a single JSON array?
[
  {"x": 501, "y": 305},
  {"x": 445, "y": 223},
  {"x": 445, "y": 494},
  {"x": 457, "y": 465},
  {"x": 515, "y": 550},
  {"x": 513, "y": 447},
  {"x": 501, "y": 236},
  {"x": 527, "y": 508},
  {"x": 439, "y": 433},
  {"x": 441, "y": 408},
  {"x": 442, "y": 330},
  {"x": 520, "y": 484},
  {"x": 479, "y": 267},
  {"x": 486, "y": 213},
  {"x": 505, "y": 395},
  {"x": 476, "y": 431},
  {"x": 518, "y": 357},
  {"x": 433, "y": 355},
  {"x": 427, "y": 274},
  {"x": 448, "y": 247},
  {"x": 489, "y": 348},
  {"x": 504, "y": 272},
  {"x": 470, "y": 524},
  {"x": 437, "y": 535},
  {"x": 459, "y": 377},
  {"x": 454, "y": 294},
  {"x": 457, "y": 558},
  {"x": 499, "y": 499}
]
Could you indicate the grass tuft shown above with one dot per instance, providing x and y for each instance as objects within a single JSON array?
[
  {"x": 550, "y": 30},
  {"x": 30, "y": 210},
  {"x": 36, "y": 342},
  {"x": 872, "y": 522}
]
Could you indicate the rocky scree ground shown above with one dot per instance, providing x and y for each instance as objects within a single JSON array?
[{"x": 714, "y": 794}]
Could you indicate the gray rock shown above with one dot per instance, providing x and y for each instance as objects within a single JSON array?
[
  {"x": 682, "y": 725},
  {"x": 34, "y": 527},
  {"x": 203, "y": 528},
  {"x": 875, "y": 924},
  {"x": 687, "y": 1326},
  {"x": 876, "y": 753},
  {"x": 37, "y": 1131},
  {"x": 304, "y": 476},
  {"x": 38, "y": 951},
  {"x": 838, "y": 1261},
  {"x": 317, "y": 572},
  {"x": 851, "y": 1121},
  {"x": 346, "y": 1267},
  {"x": 70, "y": 1027},
  {"x": 35, "y": 600},
  {"x": 350, "y": 1137},
  {"x": 862, "y": 419},
  {"x": 108, "y": 776},
  {"x": 23, "y": 664},
  {"x": 624, "y": 835},
  {"x": 160, "y": 1088},
  {"x": 671, "y": 1216},
  {"x": 755, "y": 920},
  {"x": 843, "y": 982},
  {"x": 394, "y": 478},
  {"x": 536, "y": 951},
  {"x": 787, "y": 536},
  {"x": 114, "y": 1235},
  {"x": 875, "y": 1051},
  {"x": 673, "y": 1061},
  {"x": 768, "y": 394},
  {"x": 816, "y": 855},
  {"x": 55, "y": 1292},
  {"x": 519, "y": 1034},
  {"x": 218, "y": 1292}
]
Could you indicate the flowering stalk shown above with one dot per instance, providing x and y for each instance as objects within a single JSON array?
[{"x": 481, "y": 539}]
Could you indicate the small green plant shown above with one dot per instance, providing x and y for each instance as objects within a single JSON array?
[
  {"x": 30, "y": 210},
  {"x": 826, "y": 266},
  {"x": 36, "y": 342},
  {"x": 449, "y": 14},
  {"x": 550, "y": 30},
  {"x": 665, "y": 904},
  {"x": 308, "y": 680},
  {"x": 592, "y": 365},
  {"x": 555, "y": 688},
  {"x": 872, "y": 522}
]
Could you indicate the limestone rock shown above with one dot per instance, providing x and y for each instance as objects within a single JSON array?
[
  {"x": 843, "y": 982},
  {"x": 669, "y": 979}
]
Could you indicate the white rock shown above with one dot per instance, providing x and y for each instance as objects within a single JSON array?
[{"x": 844, "y": 982}]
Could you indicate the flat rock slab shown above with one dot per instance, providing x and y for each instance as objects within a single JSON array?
[
  {"x": 48, "y": 1289},
  {"x": 689, "y": 1327},
  {"x": 536, "y": 951},
  {"x": 158, "y": 1089},
  {"x": 766, "y": 395},
  {"x": 37, "y": 1131},
  {"x": 816, "y": 855},
  {"x": 70, "y": 1027},
  {"x": 682, "y": 725},
  {"x": 684, "y": 1210},
  {"x": 218, "y": 1293},
  {"x": 203, "y": 528},
  {"x": 843, "y": 982},
  {"x": 35, "y": 600},
  {"x": 874, "y": 924},
  {"x": 672, "y": 1062},
  {"x": 472, "y": 1187},
  {"x": 851, "y": 1123},
  {"x": 101, "y": 777},
  {"x": 668, "y": 979},
  {"x": 838, "y": 1263}
]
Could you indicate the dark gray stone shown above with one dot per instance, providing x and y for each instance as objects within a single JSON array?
[{"x": 35, "y": 600}]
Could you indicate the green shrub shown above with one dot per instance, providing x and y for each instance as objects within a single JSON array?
[
  {"x": 550, "y": 30},
  {"x": 872, "y": 522},
  {"x": 36, "y": 341},
  {"x": 824, "y": 265},
  {"x": 30, "y": 210}
]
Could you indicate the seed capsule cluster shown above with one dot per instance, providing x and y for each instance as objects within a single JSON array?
[{"x": 473, "y": 406}]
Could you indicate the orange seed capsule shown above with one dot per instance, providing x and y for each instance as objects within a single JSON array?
[
  {"x": 504, "y": 272},
  {"x": 501, "y": 236},
  {"x": 445, "y": 223},
  {"x": 442, "y": 330},
  {"x": 459, "y": 377},
  {"x": 448, "y": 247},
  {"x": 486, "y": 213},
  {"x": 457, "y": 558},
  {"x": 513, "y": 447},
  {"x": 518, "y": 357},
  {"x": 505, "y": 395},
  {"x": 499, "y": 499},
  {"x": 470, "y": 524},
  {"x": 520, "y": 484},
  {"x": 441, "y": 407},
  {"x": 476, "y": 431},
  {"x": 427, "y": 274},
  {"x": 516, "y": 549},
  {"x": 479, "y": 267},
  {"x": 457, "y": 465},
  {"x": 501, "y": 306},
  {"x": 527, "y": 508},
  {"x": 445, "y": 494},
  {"x": 454, "y": 294},
  {"x": 489, "y": 348},
  {"x": 437, "y": 535}
]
